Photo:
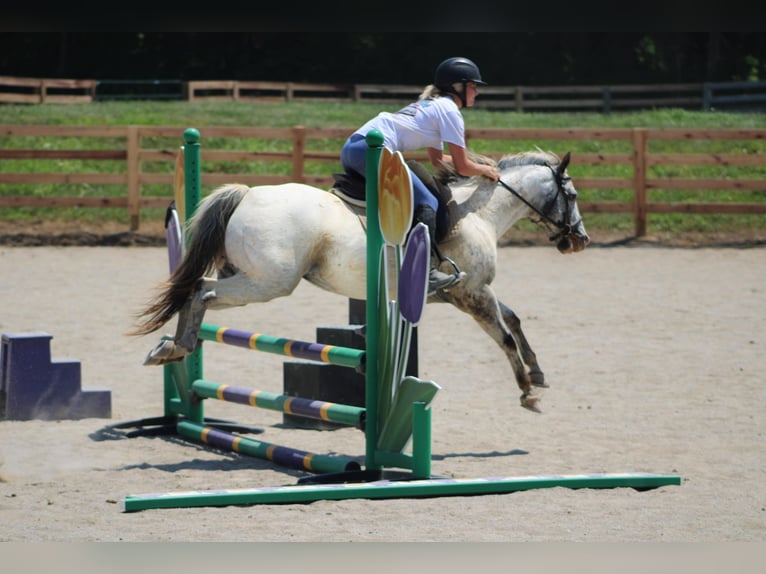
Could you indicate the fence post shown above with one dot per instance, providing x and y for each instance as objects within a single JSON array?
[
  {"x": 299, "y": 149},
  {"x": 640, "y": 149},
  {"x": 607, "y": 99},
  {"x": 134, "y": 170}
]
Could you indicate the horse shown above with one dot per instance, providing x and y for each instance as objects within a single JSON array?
[{"x": 262, "y": 241}]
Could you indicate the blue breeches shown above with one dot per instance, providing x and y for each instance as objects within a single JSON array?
[{"x": 353, "y": 157}]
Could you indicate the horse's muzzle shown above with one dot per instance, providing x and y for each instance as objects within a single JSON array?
[{"x": 572, "y": 243}]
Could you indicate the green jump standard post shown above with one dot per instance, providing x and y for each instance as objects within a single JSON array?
[
  {"x": 374, "y": 246},
  {"x": 178, "y": 400}
]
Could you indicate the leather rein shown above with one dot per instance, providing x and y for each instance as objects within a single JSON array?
[{"x": 566, "y": 225}]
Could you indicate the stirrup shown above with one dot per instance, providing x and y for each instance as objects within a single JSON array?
[{"x": 438, "y": 280}]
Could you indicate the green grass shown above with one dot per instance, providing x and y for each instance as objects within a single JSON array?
[{"x": 351, "y": 115}]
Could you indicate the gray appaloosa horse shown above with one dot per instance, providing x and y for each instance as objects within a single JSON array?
[{"x": 261, "y": 241}]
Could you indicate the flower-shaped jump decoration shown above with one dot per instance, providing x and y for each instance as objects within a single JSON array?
[
  {"x": 413, "y": 277},
  {"x": 397, "y": 392},
  {"x": 394, "y": 197}
]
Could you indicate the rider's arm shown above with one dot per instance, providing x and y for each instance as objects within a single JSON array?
[
  {"x": 437, "y": 157},
  {"x": 465, "y": 166}
]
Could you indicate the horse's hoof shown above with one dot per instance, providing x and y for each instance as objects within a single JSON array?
[
  {"x": 208, "y": 296},
  {"x": 165, "y": 352},
  {"x": 531, "y": 402},
  {"x": 537, "y": 379}
]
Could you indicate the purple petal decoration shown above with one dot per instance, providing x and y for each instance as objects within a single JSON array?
[{"x": 413, "y": 277}]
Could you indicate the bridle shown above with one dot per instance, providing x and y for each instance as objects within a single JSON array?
[{"x": 564, "y": 227}]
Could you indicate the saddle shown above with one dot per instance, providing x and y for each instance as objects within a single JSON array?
[{"x": 350, "y": 187}]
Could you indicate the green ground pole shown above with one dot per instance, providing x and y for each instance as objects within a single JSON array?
[
  {"x": 371, "y": 483},
  {"x": 392, "y": 489}
]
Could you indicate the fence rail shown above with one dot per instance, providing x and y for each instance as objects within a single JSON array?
[
  {"x": 596, "y": 98},
  {"x": 46, "y": 90},
  {"x": 131, "y": 153}
]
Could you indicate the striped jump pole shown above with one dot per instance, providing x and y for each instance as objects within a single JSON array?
[
  {"x": 332, "y": 354},
  {"x": 282, "y": 455},
  {"x": 310, "y": 408}
]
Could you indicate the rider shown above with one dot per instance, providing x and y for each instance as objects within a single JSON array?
[{"x": 430, "y": 122}]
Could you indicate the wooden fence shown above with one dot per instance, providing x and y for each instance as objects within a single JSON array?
[
  {"x": 46, "y": 90},
  {"x": 518, "y": 98},
  {"x": 597, "y": 98},
  {"x": 594, "y": 98},
  {"x": 131, "y": 153}
]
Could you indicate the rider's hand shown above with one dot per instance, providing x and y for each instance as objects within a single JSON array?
[{"x": 492, "y": 174}]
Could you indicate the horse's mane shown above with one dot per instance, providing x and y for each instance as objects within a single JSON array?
[
  {"x": 538, "y": 157},
  {"x": 447, "y": 173}
]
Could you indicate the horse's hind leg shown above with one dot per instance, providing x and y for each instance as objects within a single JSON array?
[
  {"x": 484, "y": 307},
  {"x": 187, "y": 327},
  {"x": 536, "y": 376},
  {"x": 231, "y": 289},
  {"x": 191, "y": 316}
]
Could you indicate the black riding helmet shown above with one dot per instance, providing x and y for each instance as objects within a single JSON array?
[{"x": 457, "y": 70}]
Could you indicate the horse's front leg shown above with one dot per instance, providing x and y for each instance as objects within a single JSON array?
[
  {"x": 536, "y": 376},
  {"x": 484, "y": 307}
]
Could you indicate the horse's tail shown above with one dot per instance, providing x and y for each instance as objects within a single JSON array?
[{"x": 207, "y": 233}]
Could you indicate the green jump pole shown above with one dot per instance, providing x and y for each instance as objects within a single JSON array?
[{"x": 392, "y": 489}]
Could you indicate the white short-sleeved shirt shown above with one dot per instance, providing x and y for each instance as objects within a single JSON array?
[{"x": 422, "y": 124}]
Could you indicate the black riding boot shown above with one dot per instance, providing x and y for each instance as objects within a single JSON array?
[{"x": 436, "y": 279}]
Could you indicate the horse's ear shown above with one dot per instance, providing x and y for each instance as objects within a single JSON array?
[{"x": 564, "y": 163}]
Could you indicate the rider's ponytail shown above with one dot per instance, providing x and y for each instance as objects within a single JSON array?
[{"x": 430, "y": 91}]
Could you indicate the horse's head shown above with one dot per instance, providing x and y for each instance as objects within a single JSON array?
[
  {"x": 559, "y": 211},
  {"x": 564, "y": 213}
]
